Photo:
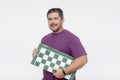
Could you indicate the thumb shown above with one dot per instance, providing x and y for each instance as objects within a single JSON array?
[{"x": 54, "y": 70}]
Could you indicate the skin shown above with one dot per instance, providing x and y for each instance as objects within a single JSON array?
[{"x": 55, "y": 23}]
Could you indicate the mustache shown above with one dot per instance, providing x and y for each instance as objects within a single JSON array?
[{"x": 53, "y": 24}]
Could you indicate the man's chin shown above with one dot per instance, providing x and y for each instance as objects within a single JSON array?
[{"x": 54, "y": 30}]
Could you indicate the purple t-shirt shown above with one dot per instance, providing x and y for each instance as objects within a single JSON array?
[{"x": 66, "y": 42}]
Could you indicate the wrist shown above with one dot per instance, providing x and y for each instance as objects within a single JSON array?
[{"x": 63, "y": 71}]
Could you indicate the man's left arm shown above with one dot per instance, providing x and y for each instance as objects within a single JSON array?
[{"x": 75, "y": 65}]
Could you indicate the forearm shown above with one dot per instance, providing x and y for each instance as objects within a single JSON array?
[{"x": 76, "y": 64}]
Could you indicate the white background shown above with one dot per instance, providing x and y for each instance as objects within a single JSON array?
[{"x": 96, "y": 22}]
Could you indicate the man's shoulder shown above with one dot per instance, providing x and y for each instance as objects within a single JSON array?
[
  {"x": 70, "y": 34},
  {"x": 47, "y": 35}
]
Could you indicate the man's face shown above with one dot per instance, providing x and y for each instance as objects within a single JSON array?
[{"x": 55, "y": 21}]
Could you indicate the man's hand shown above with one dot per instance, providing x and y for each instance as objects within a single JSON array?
[
  {"x": 35, "y": 52},
  {"x": 59, "y": 73}
]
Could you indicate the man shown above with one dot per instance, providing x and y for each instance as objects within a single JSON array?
[{"x": 64, "y": 41}]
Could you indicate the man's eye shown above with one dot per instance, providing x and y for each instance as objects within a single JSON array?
[
  {"x": 49, "y": 19},
  {"x": 55, "y": 18}
]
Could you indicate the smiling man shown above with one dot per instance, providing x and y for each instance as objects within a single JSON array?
[{"x": 64, "y": 41}]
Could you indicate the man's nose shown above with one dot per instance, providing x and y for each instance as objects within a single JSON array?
[{"x": 53, "y": 21}]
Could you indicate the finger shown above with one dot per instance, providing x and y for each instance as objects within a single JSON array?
[
  {"x": 36, "y": 49},
  {"x": 35, "y": 52},
  {"x": 33, "y": 55},
  {"x": 55, "y": 69}
]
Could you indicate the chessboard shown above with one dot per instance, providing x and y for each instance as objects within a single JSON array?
[{"x": 49, "y": 58}]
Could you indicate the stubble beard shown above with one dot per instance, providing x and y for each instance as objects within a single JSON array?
[{"x": 56, "y": 30}]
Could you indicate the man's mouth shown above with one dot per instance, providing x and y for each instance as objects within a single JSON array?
[{"x": 52, "y": 25}]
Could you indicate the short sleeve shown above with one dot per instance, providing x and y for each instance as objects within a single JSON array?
[{"x": 76, "y": 47}]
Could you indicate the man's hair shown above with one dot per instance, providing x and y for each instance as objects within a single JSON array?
[{"x": 56, "y": 10}]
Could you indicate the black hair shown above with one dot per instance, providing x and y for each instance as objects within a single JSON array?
[{"x": 56, "y": 10}]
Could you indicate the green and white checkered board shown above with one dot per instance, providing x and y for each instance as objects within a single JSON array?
[{"x": 49, "y": 58}]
